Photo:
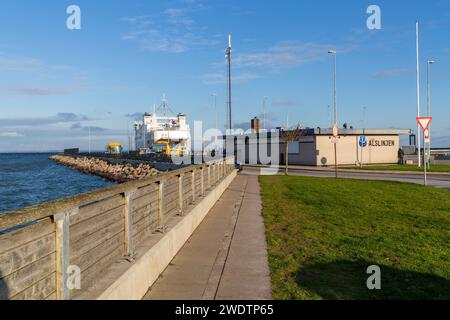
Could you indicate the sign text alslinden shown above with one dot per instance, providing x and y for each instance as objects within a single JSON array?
[{"x": 381, "y": 143}]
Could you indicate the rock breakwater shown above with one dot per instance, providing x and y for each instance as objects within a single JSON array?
[{"x": 115, "y": 172}]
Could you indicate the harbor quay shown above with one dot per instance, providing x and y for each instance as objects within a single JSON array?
[{"x": 219, "y": 159}]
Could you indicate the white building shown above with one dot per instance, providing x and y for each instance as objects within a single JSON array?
[
  {"x": 156, "y": 130},
  {"x": 315, "y": 147}
]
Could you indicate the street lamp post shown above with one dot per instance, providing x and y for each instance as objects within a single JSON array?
[
  {"x": 228, "y": 53},
  {"x": 419, "y": 159},
  {"x": 264, "y": 112},
  {"x": 333, "y": 52},
  {"x": 364, "y": 117},
  {"x": 215, "y": 110},
  {"x": 429, "y": 62}
]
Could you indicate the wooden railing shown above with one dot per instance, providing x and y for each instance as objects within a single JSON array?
[{"x": 93, "y": 230}]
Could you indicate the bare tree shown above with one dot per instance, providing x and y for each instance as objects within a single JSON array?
[{"x": 288, "y": 136}]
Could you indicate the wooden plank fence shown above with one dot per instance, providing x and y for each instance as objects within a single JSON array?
[{"x": 92, "y": 231}]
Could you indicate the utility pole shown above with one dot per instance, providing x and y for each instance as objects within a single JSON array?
[
  {"x": 335, "y": 126},
  {"x": 215, "y": 110},
  {"x": 228, "y": 58},
  {"x": 364, "y": 133},
  {"x": 418, "y": 93},
  {"x": 364, "y": 117},
  {"x": 264, "y": 112},
  {"x": 328, "y": 115},
  {"x": 333, "y": 52},
  {"x": 429, "y": 62}
]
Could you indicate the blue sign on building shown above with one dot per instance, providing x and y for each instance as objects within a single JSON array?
[{"x": 362, "y": 141}]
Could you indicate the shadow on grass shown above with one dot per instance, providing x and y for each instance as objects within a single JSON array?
[
  {"x": 4, "y": 292},
  {"x": 346, "y": 280}
]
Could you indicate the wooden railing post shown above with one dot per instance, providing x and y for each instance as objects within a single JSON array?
[
  {"x": 193, "y": 186},
  {"x": 217, "y": 172},
  {"x": 202, "y": 181},
  {"x": 180, "y": 193},
  {"x": 130, "y": 253},
  {"x": 62, "y": 236},
  {"x": 209, "y": 176},
  {"x": 161, "y": 218}
]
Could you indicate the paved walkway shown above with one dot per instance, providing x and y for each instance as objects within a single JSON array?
[{"x": 226, "y": 257}]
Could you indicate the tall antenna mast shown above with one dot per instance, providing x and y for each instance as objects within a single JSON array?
[
  {"x": 418, "y": 93},
  {"x": 328, "y": 115},
  {"x": 164, "y": 104},
  {"x": 228, "y": 58}
]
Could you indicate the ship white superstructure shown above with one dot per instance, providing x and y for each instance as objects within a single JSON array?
[{"x": 156, "y": 129}]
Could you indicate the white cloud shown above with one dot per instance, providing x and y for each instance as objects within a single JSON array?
[
  {"x": 10, "y": 134},
  {"x": 154, "y": 41},
  {"x": 19, "y": 64},
  {"x": 390, "y": 73},
  {"x": 176, "y": 12},
  {"x": 286, "y": 102},
  {"x": 57, "y": 138},
  {"x": 279, "y": 57},
  {"x": 62, "y": 117},
  {"x": 173, "y": 31},
  {"x": 284, "y": 54},
  {"x": 34, "y": 91},
  {"x": 220, "y": 78}
]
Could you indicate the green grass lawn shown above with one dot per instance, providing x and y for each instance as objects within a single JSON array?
[
  {"x": 324, "y": 233},
  {"x": 433, "y": 168}
]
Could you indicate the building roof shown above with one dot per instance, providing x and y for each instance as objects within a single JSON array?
[
  {"x": 342, "y": 131},
  {"x": 349, "y": 132}
]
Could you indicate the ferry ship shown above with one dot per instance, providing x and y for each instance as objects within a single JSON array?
[{"x": 163, "y": 133}]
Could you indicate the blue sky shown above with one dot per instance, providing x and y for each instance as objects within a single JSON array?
[{"x": 55, "y": 83}]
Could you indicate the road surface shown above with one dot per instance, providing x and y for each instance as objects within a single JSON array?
[{"x": 435, "y": 181}]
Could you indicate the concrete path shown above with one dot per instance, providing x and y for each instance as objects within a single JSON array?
[{"x": 226, "y": 257}]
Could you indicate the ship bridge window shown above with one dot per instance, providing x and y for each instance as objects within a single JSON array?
[{"x": 159, "y": 148}]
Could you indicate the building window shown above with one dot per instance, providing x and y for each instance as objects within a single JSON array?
[{"x": 294, "y": 147}]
